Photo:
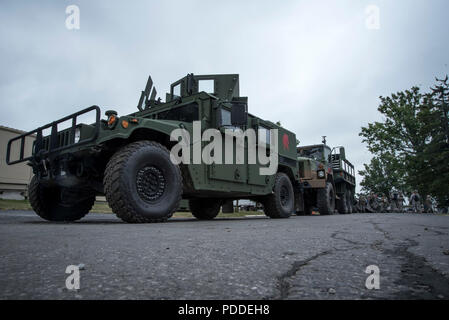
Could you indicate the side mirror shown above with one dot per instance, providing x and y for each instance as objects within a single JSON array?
[{"x": 239, "y": 116}]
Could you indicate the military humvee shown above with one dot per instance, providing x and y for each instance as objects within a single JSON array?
[
  {"x": 127, "y": 158},
  {"x": 327, "y": 179}
]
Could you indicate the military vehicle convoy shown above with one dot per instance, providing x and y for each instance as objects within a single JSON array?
[
  {"x": 127, "y": 158},
  {"x": 327, "y": 179}
]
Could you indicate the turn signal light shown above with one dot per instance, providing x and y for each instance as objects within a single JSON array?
[
  {"x": 111, "y": 120},
  {"x": 125, "y": 124}
]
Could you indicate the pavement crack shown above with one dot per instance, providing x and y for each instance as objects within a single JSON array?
[
  {"x": 377, "y": 228},
  {"x": 434, "y": 227},
  {"x": 436, "y": 232},
  {"x": 356, "y": 243},
  {"x": 377, "y": 245},
  {"x": 421, "y": 280},
  {"x": 283, "y": 283}
]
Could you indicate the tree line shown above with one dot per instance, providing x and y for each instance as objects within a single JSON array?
[{"x": 410, "y": 146}]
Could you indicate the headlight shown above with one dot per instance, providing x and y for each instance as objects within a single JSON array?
[
  {"x": 77, "y": 135},
  {"x": 321, "y": 174}
]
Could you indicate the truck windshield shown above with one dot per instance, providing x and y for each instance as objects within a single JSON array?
[
  {"x": 187, "y": 113},
  {"x": 314, "y": 153}
]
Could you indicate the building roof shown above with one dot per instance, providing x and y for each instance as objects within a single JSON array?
[{"x": 14, "y": 130}]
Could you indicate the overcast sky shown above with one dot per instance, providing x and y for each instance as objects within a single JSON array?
[{"x": 313, "y": 65}]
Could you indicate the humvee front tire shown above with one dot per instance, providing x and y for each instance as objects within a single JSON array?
[
  {"x": 204, "y": 209},
  {"x": 57, "y": 203},
  {"x": 326, "y": 199},
  {"x": 141, "y": 183},
  {"x": 281, "y": 203}
]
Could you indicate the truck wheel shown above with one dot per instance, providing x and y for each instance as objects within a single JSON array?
[
  {"x": 281, "y": 203},
  {"x": 326, "y": 199},
  {"x": 342, "y": 204},
  {"x": 349, "y": 202},
  {"x": 59, "y": 204},
  {"x": 204, "y": 209},
  {"x": 141, "y": 183}
]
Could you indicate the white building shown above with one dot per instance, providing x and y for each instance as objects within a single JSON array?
[{"x": 14, "y": 179}]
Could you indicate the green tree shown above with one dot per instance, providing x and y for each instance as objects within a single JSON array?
[
  {"x": 411, "y": 144},
  {"x": 434, "y": 115},
  {"x": 397, "y": 140},
  {"x": 382, "y": 175}
]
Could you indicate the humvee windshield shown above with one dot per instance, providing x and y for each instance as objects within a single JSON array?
[
  {"x": 187, "y": 113},
  {"x": 225, "y": 117}
]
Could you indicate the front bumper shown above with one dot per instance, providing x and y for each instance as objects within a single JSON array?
[{"x": 57, "y": 141}]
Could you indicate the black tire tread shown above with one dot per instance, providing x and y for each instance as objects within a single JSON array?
[
  {"x": 35, "y": 200},
  {"x": 113, "y": 188},
  {"x": 322, "y": 200},
  {"x": 204, "y": 209},
  {"x": 342, "y": 205},
  {"x": 40, "y": 206},
  {"x": 349, "y": 202},
  {"x": 271, "y": 207}
]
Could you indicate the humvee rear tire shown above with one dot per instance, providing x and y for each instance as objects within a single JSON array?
[
  {"x": 281, "y": 203},
  {"x": 57, "y": 203},
  {"x": 326, "y": 199},
  {"x": 141, "y": 183},
  {"x": 205, "y": 209}
]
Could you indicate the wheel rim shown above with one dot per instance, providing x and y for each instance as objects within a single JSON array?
[
  {"x": 285, "y": 196},
  {"x": 150, "y": 183}
]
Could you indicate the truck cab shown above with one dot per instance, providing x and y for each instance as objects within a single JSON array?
[{"x": 327, "y": 178}]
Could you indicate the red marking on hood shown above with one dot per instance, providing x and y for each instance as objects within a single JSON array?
[{"x": 285, "y": 141}]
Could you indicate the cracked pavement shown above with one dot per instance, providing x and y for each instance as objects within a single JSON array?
[{"x": 304, "y": 257}]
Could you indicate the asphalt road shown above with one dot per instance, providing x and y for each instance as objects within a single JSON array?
[{"x": 305, "y": 257}]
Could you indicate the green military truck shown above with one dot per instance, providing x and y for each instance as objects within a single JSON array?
[
  {"x": 327, "y": 179},
  {"x": 127, "y": 158}
]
